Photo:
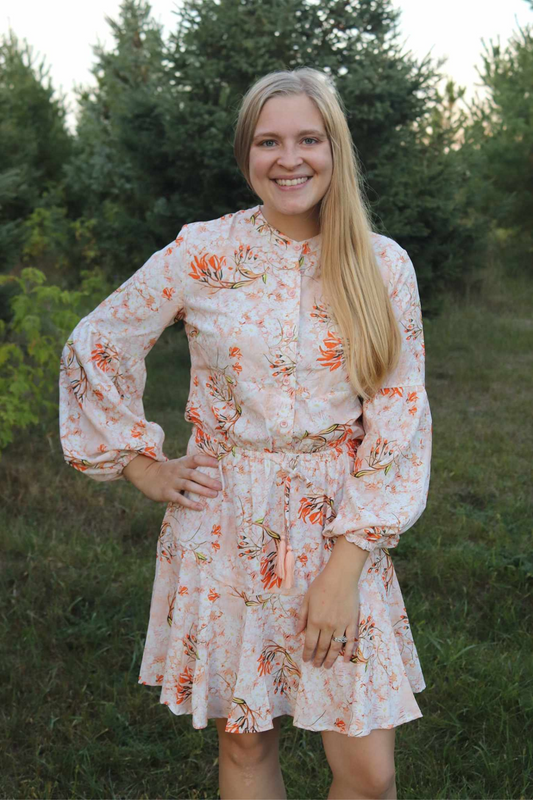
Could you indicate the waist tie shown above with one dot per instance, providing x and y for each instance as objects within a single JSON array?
[
  {"x": 284, "y": 568},
  {"x": 285, "y": 558}
]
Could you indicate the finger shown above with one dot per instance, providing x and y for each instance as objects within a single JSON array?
[
  {"x": 177, "y": 497},
  {"x": 311, "y": 639},
  {"x": 350, "y": 654},
  {"x": 190, "y": 486},
  {"x": 332, "y": 654},
  {"x": 334, "y": 650},
  {"x": 349, "y": 647},
  {"x": 322, "y": 648},
  {"x": 186, "y": 465},
  {"x": 202, "y": 479},
  {"x": 194, "y": 462},
  {"x": 203, "y": 460},
  {"x": 302, "y": 616},
  {"x": 300, "y": 626}
]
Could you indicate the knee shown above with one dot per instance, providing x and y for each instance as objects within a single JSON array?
[
  {"x": 247, "y": 750},
  {"x": 366, "y": 780},
  {"x": 374, "y": 784}
]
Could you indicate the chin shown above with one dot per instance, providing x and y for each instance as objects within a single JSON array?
[{"x": 295, "y": 208}]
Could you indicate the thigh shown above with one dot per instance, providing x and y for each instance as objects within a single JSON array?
[{"x": 364, "y": 757}]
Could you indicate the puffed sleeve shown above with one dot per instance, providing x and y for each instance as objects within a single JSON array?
[
  {"x": 103, "y": 373},
  {"x": 387, "y": 491}
]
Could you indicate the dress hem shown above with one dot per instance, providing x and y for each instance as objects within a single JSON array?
[{"x": 183, "y": 713}]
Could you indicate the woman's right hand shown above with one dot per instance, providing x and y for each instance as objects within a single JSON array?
[{"x": 164, "y": 481}]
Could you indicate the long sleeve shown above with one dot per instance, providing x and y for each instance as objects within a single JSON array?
[
  {"x": 103, "y": 373},
  {"x": 387, "y": 491}
]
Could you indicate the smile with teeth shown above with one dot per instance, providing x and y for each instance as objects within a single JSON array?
[{"x": 294, "y": 182}]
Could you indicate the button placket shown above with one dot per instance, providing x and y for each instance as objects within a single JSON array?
[{"x": 295, "y": 323}]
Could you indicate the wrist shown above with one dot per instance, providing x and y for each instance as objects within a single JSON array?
[
  {"x": 137, "y": 468},
  {"x": 347, "y": 557}
]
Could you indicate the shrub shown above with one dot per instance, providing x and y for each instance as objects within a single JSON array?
[{"x": 30, "y": 345}]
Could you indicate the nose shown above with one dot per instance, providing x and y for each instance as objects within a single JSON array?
[{"x": 290, "y": 157}]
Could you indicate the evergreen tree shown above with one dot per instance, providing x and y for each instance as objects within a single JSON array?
[
  {"x": 155, "y": 137},
  {"x": 121, "y": 171},
  {"x": 500, "y": 144},
  {"x": 34, "y": 141},
  {"x": 413, "y": 182}
]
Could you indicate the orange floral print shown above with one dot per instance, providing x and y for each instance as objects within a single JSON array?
[
  {"x": 184, "y": 686},
  {"x": 332, "y": 352},
  {"x": 104, "y": 356},
  {"x": 301, "y": 459}
]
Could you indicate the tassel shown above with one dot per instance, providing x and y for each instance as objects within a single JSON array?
[
  {"x": 289, "y": 569},
  {"x": 280, "y": 561}
]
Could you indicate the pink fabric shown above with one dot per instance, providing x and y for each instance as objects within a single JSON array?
[{"x": 301, "y": 460}]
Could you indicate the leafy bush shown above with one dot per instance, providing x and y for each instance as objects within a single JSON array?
[{"x": 30, "y": 345}]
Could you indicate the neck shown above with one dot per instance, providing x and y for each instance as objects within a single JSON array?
[{"x": 296, "y": 226}]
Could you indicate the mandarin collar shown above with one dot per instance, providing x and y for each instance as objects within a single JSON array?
[{"x": 279, "y": 240}]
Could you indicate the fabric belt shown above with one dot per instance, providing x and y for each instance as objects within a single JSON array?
[{"x": 284, "y": 568}]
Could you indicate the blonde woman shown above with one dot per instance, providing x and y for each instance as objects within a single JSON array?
[{"x": 275, "y": 593}]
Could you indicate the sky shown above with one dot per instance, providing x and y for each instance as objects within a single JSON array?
[{"x": 62, "y": 32}]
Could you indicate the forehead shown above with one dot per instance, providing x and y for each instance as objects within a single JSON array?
[{"x": 289, "y": 115}]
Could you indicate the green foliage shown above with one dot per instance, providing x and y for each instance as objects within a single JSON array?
[
  {"x": 121, "y": 170},
  {"x": 63, "y": 247},
  {"x": 30, "y": 345},
  {"x": 413, "y": 185},
  {"x": 153, "y": 150},
  {"x": 154, "y": 145},
  {"x": 78, "y": 563},
  {"x": 34, "y": 142},
  {"x": 455, "y": 193},
  {"x": 60, "y": 247},
  {"x": 499, "y": 145}
]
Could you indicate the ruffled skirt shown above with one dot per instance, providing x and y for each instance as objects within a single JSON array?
[{"x": 221, "y": 639}]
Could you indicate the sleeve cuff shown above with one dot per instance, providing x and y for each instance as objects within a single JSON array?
[
  {"x": 113, "y": 468},
  {"x": 369, "y": 539}
]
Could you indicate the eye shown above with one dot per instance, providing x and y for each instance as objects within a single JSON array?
[{"x": 305, "y": 139}]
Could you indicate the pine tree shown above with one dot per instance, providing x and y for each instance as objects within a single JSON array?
[
  {"x": 34, "y": 141},
  {"x": 121, "y": 170},
  {"x": 155, "y": 137},
  {"x": 414, "y": 185},
  {"x": 500, "y": 144}
]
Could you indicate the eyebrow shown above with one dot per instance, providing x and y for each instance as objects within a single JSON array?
[{"x": 306, "y": 132}]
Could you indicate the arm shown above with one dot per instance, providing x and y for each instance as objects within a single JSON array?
[
  {"x": 348, "y": 558},
  {"x": 102, "y": 374},
  {"x": 387, "y": 492},
  {"x": 136, "y": 470}
]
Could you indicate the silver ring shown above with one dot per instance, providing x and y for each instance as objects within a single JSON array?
[{"x": 342, "y": 639}]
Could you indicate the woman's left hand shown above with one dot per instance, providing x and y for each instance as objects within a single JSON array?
[{"x": 330, "y": 607}]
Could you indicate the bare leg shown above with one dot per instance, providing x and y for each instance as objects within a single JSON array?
[
  {"x": 362, "y": 767},
  {"x": 248, "y": 764}
]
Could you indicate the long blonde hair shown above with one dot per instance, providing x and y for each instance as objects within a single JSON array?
[{"x": 351, "y": 277}]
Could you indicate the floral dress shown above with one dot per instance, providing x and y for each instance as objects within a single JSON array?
[{"x": 301, "y": 461}]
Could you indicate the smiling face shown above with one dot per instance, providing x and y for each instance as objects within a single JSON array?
[{"x": 290, "y": 141}]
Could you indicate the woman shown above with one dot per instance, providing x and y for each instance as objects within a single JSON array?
[{"x": 275, "y": 592}]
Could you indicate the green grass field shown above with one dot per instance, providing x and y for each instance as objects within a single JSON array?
[{"x": 77, "y": 571}]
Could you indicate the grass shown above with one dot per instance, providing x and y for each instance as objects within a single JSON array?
[{"x": 78, "y": 562}]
